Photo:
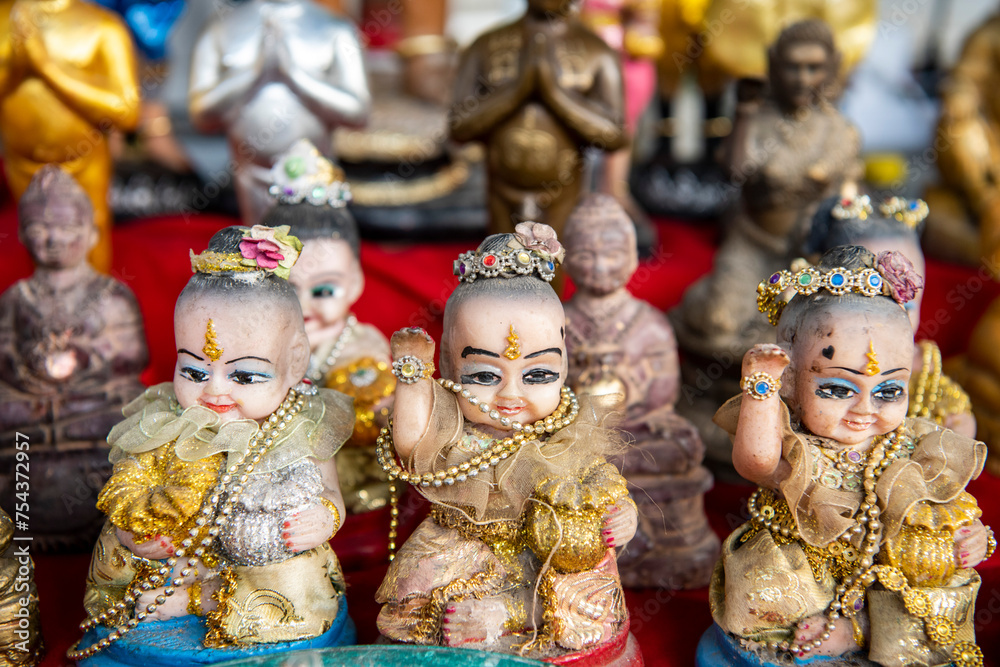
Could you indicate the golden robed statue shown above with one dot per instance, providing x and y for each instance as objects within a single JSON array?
[{"x": 68, "y": 77}]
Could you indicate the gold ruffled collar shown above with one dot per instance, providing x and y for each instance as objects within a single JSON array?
[{"x": 155, "y": 419}]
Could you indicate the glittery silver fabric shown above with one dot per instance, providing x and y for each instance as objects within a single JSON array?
[{"x": 253, "y": 534}]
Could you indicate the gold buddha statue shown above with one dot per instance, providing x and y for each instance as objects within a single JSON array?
[{"x": 67, "y": 79}]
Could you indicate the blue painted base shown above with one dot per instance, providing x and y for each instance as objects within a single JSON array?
[
  {"x": 718, "y": 649},
  {"x": 179, "y": 642}
]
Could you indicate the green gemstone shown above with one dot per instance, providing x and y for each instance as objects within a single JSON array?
[
  {"x": 805, "y": 279},
  {"x": 319, "y": 193},
  {"x": 295, "y": 167}
]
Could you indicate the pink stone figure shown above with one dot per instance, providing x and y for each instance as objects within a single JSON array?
[
  {"x": 72, "y": 346},
  {"x": 619, "y": 344}
]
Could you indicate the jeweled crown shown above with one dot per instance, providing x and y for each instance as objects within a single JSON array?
[
  {"x": 533, "y": 250},
  {"x": 304, "y": 175}
]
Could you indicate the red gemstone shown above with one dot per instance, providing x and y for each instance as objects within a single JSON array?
[{"x": 489, "y": 260}]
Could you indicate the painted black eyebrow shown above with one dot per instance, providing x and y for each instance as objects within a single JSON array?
[
  {"x": 266, "y": 361},
  {"x": 849, "y": 370},
  {"x": 183, "y": 351},
  {"x": 894, "y": 370},
  {"x": 475, "y": 350},
  {"x": 545, "y": 351}
]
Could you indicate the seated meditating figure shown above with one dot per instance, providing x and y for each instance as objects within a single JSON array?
[
  {"x": 862, "y": 537},
  {"x": 224, "y": 493},
  {"x": 790, "y": 149},
  {"x": 620, "y": 345},
  {"x": 346, "y": 355},
  {"x": 895, "y": 224},
  {"x": 518, "y": 552},
  {"x": 72, "y": 346}
]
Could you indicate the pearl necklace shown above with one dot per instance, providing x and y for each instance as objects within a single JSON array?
[
  {"x": 207, "y": 527},
  {"x": 569, "y": 408},
  {"x": 848, "y": 599},
  {"x": 319, "y": 373}
]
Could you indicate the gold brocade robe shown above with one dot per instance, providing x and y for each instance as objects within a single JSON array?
[
  {"x": 473, "y": 543},
  {"x": 764, "y": 585},
  {"x": 166, "y": 461}
]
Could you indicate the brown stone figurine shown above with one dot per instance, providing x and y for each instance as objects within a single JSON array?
[
  {"x": 790, "y": 148},
  {"x": 71, "y": 349},
  {"x": 619, "y": 344},
  {"x": 537, "y": 92}
]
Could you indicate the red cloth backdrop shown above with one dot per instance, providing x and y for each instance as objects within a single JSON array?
[{"x": 406, "y": 285}]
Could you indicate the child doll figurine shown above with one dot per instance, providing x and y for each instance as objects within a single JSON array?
[
  {"x": 894, "y": 224},
  {"x": 346, "y": 355},
  {"x": 862, "y": 538},
  {"x": 619, "y": 344},
  {"x": 518, "y": 553},
  {"x": 224, "y": 491}
]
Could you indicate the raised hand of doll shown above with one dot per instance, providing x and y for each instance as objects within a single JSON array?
[
  {"x": 970, "y": 545},
  {"x": 765, "y": 358},
  {"x": 414, "y": 342},
  {"x": 620, "y": 523},
  {"x": 307, "y": 529}
]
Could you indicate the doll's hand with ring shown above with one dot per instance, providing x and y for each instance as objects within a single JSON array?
[
  {"x": 157, "y": 547},
  {"x": 765, "y": 358},
  {"x": 307, "y": 529},
  {"x": 414, "y": 342},
  {"x": 620, "y": 523},
  {"x": 970, "y": 545}
]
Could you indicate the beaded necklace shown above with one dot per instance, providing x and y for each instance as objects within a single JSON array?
[
  {"x": 564, "y": 415},
  {"x": 318, "y": 374},
  {"x": 207, "y": 527},
  {"x": 848, "y": 599}
]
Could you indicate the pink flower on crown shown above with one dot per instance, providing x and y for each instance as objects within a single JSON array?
[
  {"x": 900, "y": 277},
  {"x": 270, "y": 248},
  {"x": 542, "y": 239}
]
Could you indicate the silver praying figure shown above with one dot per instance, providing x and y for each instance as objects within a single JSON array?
[{"x": 271, "y": 72}]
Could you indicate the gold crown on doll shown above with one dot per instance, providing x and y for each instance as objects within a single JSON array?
[
  {"x": 533, "y": 249},
  {"x": 889, "y": 278},
  {"x": 303, "y": 175}
]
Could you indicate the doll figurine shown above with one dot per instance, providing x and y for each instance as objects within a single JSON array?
[
  {"x": 224, "y": 492},
  {"x": 346, "y": 355},
  {"x": 895, "y": 225},
  {"x": 72, "y": 346},
  {"x": 619, "y": 344},
  {"x": 537, "y": 92},
  {"x": 271, "y": 72},
  {"x": 862, "y": 538},
  {"x": 790, "y": 149},
  {"x": 518, "y": 552},
  {"x": 59, "y": 99}
]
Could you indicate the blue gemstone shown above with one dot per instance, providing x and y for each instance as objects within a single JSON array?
[
  {"x": 913, "y": 205},
  {"x": 874, "y": 281},
  {"x": 552, "y": 267},
  {"x": 837, "y": 279},
  {"x": 762, "y": 387}
]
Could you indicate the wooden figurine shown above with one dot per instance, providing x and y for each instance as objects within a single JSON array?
[
  {"x": 72, "y": 346},
  {"x": 620, "y": 345},
  {"x": 537, "y": 92}
]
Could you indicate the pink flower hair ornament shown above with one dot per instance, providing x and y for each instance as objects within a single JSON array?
[
  {"x": 893, "y": 275},
  {"x": 542, "y": 239},
  {"x": 268, "y": 249}
]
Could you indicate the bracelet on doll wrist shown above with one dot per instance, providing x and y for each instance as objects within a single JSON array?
[
  {"x": 991, "y": 543},
  {"x": 409, "y": 369},
  {"x": 760, "y": 386}
]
